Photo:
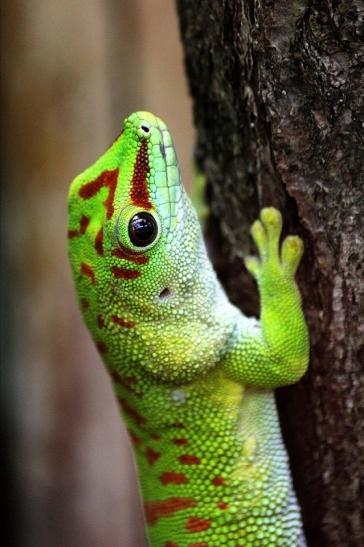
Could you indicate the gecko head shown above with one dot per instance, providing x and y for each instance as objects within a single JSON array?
[{"x": 136, "y": 249}]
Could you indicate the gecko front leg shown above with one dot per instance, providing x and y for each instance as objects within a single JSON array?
[{"x": 274, "y": 351}]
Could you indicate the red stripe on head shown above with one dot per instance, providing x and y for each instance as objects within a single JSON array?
[
  {"x": 107, "y": 179},
  {"x": 122, "y": 322},
  {"x": 72, "y": 233},
  {"x": 127, "y": 254},
  {"x": 84, "y": 222},
  {"x": 139, "y": 192},
  {"x": 99, "y": 242},
  {"x": 170, "y": 544},
  {"x": 124, "y": 273},
  {"x": 155, "y": 510},
  {"x": 88, "y": 271}
]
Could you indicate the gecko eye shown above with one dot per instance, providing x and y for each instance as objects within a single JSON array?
[
  {"x": 144, "y": 128},
  {"x": 143, "y": 229}
]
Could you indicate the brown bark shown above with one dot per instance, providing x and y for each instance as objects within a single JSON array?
[{"x": 278, "y": 105}]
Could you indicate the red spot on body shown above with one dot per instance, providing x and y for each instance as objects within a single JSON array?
[
  {"x": 155, "y": 510},
  {"x": 107, "y": 179},
  {"x": 122, "y": 322},
  {"x": 72, "y": 233},
  {"x": 88, "y": 271},
  {"x": 200, "y": 544},
  {"x": 218, "y": 481},
  {"x": 127, "y": 254},
  {"x": 170, "y": 544},
  {"x": 130, "y": 411},
  {"x": 179, "y": 442},
  {"x": 155, "y": 437},
  {"x": 134, "y": 438},
  {"x": 123, "y": 273},
  {"x": 170, "y": 477},
  {"x": 85, "y": 304},
  {"x": 101, "y": 347},
  {"x": 222, "y": 505},
  {"x": 100, "y": 322},
  {"x": 197, "y": 524},
  {"x": 152, "y": 456},
  {"x": 189, "y": 459},
  {"x": 139, "y": 192},
  {"x": 99, "y": 242}
]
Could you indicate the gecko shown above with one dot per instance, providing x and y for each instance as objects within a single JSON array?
[{"x": 193, "y": 376}]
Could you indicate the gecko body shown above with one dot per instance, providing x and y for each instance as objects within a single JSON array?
[{"x": 193, "y": 376}]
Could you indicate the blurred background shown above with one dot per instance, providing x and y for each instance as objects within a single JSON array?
[{"x": 71, "y": 72}]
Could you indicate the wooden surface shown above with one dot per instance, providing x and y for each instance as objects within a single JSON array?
[{"x": 279, "y": 109}]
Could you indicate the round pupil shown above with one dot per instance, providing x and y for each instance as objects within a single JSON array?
[{"x": 142, "y": 229}]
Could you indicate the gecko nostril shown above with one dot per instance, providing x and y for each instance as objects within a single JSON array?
[{"x": 165, "y": 294}]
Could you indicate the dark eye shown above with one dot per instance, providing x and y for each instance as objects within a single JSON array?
[
  {"x": 144, "y": 128},
  {"x": 143, "y": 229}
]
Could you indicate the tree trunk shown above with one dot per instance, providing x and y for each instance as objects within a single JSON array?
[{"x": 278, "y": 104}]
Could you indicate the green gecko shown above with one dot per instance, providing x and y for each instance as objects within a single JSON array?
[{"x": 193, "y": 376}]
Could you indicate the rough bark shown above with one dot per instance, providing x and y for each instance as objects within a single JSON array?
[{"x": 278, "y": 105}]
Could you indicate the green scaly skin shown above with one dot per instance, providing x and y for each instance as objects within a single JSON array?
[{"x": 194, "y": 377}]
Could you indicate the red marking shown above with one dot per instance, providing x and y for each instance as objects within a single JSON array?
[
  {"x": 155, "y": 437},
  {"x": 101, "y": 347},
  {"x": 84, "y": 222},
  {"x": 85, "y": 303},
  {"x": 218, "y": 481},
  {"x": 106, "y": 179},
  {"x": 125, "y": 382},
  {"x": 170, "y": 544},
  {"x": 152, "y": 456},
  {"x": 123, "y": 273},
  {"x": 189, "y": 459},
  {"x": 200, "y": 544},
  {"x": 130, "y": 411},
  {"x": 134, "y": 438},
  {"x": 139, "y": 192},
  {"x": 122, "y": 322},
  {"x": 100, "y": 322},
  {"x": 197, "y": 524},
  {"x": 180, "y": 442},
  {"x": 127, "y": 254},
  {"x": 170, "y": 477},
  {"x": 99, "y": 239},
  {"x": 222, "y": 505},
  {"x": 87, "y": 270},
  {"x": 155, "y": 510}
]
